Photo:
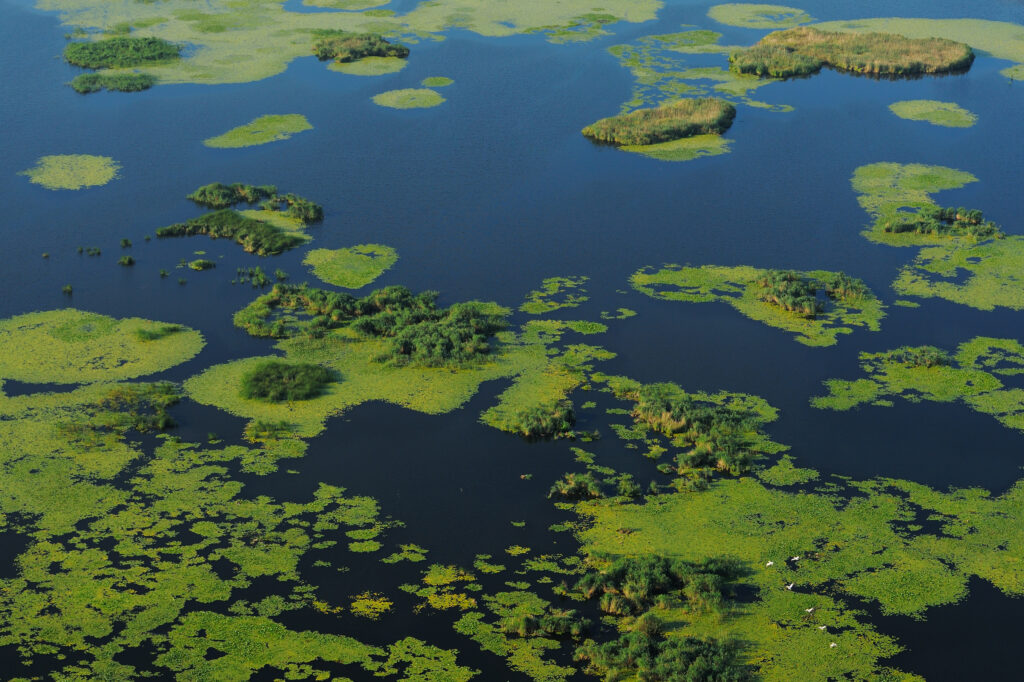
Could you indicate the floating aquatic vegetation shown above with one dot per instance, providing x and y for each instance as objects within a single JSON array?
[
  {"x": 370, "y": 66},
  {"x": 982, "y": 276},
  {"x": 269, "y": 128},
  {"x": 947, "y": 114},
  {"x": 71, "y": 346},
  {"x": 73, "y": 171},
  {"x": 747, "y": 15},
  {"x": 436, "y": 82},
  {"x": 556, "y": 293},
  {"x": 847, "y": 303},
  {"x": 409, "y": 98},
  {"x": 971, "y": 375},
  {"x": 353, "y": 267},
  {"x": 686, "y": 149}
]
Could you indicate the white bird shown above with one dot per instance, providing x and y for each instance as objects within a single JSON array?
[
  {"x": 790, "y": 586},
  {"x": 833, "y": 645},
  {"x": 770, "y": 563},
  {"x": 810, "y": 610},
  {"x": 821, "y": 627},
  {"x": 795, "y": 558}
]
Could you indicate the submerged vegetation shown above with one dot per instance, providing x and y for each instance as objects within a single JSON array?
[
  {"x": 668, "y": 122},
  {"x": 73, "y": 171},
  {"x": 276, "y": 381},
  {"x": 804, "y": 50},
  {"x": 785, "y": 299},
  {"x": 119, "y": 53}
]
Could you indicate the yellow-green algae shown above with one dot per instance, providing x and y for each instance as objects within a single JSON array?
[
  {"x": 72, "y": 346},
  {"x": 746, "y": 15},
  {"x": 992, "y": 274},
  {"x": 436, "y": 82},
  {"x": 352, "y": 267},
  {"x": 686, "y": 149},
  {"x": 947, "y": 114},
  {"x": 370, "y": 66},
  {"x": 556, "y": 293},
  {"x": 971, "y": 375},
  {"x": 885, "y": 189},
  {"x": 737, "y": 287},
  {"x": 72, "y": 171},
  {"x": 409, "y": 98},
  {"x": 1001, "y": 39},
  {"x": 236, "y": 42},
  {"x": 269, "y": 128}
]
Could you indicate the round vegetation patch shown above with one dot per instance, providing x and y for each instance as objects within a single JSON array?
[
  {"x": 275, "y": 381},
  {"x": 72, "y": 171},
  {"x": 436, "y": 82},
  {"x": 353, "y": 267},
  {"x": 747, "y": 15},
  {"x": 947, "y": 114},
  {"x": 72, "y": 346},
  {"x": 409, "y": 98},
  {"x": 369, "y": 66}
]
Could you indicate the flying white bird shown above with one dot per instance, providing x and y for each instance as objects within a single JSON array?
[
  {"x": 833, "y": 645},
  {"x": 810, "y": 610},
  {"x": 770, "y": 563},
  {"x": 821, "y": 627},
  {"x": 795, "y": 558},
  {"x": 790, "y": 586}
]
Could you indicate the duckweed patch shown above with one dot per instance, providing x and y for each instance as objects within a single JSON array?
[
  {"x": 815, "y": 321},
  {"x": 983, "y": 276},
  {"x": 556, "y": 293},
  {"x": 353, "y": 267},
  {"x": 71, "y": 346},
  {"x": 436, "y": 82},
  {"x": 747, "y": 15},
  {"x": 686, "y": 149},
  {"x": 72, "y": 171},
  {"x": 409, "y": 98},
  {"x": 262, "y": 130},
  {"x": 370, "y": 66},
  {"x": 946, "y": 114},
  {"x": 971, "y": 375}
]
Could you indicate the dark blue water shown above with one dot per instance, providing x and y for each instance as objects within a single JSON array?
[{"x": 491, "y": 192}]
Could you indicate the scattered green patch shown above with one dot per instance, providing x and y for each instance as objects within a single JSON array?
[
  {"x": 201, "y": 264},
  {"x": 436, "y": 82},
  {"x": 255, "y": 236},
  {"x": 785, "y": 299},
  {"x": 747, "y": 15},
  {"x": 269, "y": 128},
  {"x": 409, "y": 98},
  {"x": 945, "y": 114},
  {"x": 353, "y": 267},
  {"x": 73, "y": 171},
  {"x": 982, "y": 276},
  {"x": 666, "y": 123},
  {"x": 619, "y": 314},
  {"x": 556, "y": 293}
]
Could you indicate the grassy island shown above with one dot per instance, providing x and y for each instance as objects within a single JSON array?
[
  {"x": 120, "y": 53},
  {"x": 344, "y": 46},
  {"x": 804, "y": 50},
  {"x": 121, "y": 82},
  {"x": 262, "y": 130},
  {"x": 73, "y": 171},
  {"x": 672, "y": 121},
  {"x": 260, "y": 238}
]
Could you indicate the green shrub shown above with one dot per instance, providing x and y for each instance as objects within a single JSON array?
[
  {"x": 915, "y": 356},
  {"x": 201, "y": 264},
  {"x": 636, "y": 655},
  {"x": 343, "y": 46},
  {"x": 542, "y": 421},
  {"x": 126, "y": 261},
  {"x": 254, "y": 236},
  {"x": 276, "y": 381},
  {"x": 945, "y": 222},
  {"x": 119, "y": 53},
  {"x": 672, "y": 121},
  {"x": 576, "y": 487},
  {"x": 790, "y": 291},
  {"x": 86, "y": 83},
  {"x": 218, "y": 195}
]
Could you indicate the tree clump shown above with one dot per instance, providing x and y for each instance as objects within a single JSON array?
[
  {"x": 798, "y": 293},
  {"x": 672, "y": 121},
  {"x": 276, "y": 381},
  {"x": 217, "y": 195},
  {"x": 944, "y": 222},
  {"x": 345, "y": 46},
  {"x": 120, "y": 53},
  {"x": 550, "y": 420},
  {"x": 86, "y": 83},
  {"x": 915, "y": 356},
  {"x": 804, "y": 50}
]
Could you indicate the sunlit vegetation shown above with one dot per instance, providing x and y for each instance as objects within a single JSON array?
[
  {"x": 126, "y": 260},
  {"x": 370, "y": 66},
  {"x": 668, "y": 122},
  {"x": 409, "y": 98},
  {"x": 556, "y": 293},
  {"x": 436, "y": 82},
  {"x": 119, "y": 53},
  {"x": 758, "y": 16},
  {"x": 201, "y": 264},
  {"x": 70, "y": 346},
  {"x": 638, "y": 655},
  {"x": 262, "y": 130},
  {"x": 217, "y": 195},
  {"x": 804, "y": 50},
  {"x": 973, "y": 375},
  {"x": 86, "y": 83},
  {"x": 277, "y": 381},
  {"x": 262, "y": 239},
  {"x": 73, "y": 171},
  {"x": 946, "y": 114},
  {"x": 576, "y": 486},
  {"x": 550, "y": 420},
  {"x": 944, "y": 222},
  {"x": 685, "y": 149},
  {"x": 353, "y": 267},
  {"x": 343, "y": 46},
  {"x": 787, "y": 299}
]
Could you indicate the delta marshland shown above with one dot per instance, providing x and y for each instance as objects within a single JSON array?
[{"x": 466, "y": 340}]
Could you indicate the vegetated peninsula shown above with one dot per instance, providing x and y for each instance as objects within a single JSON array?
[
  {"x": 275, "y": 228},
  {"x": 345, "y": 46},
  {"x": 804, "y": 50},
  {"x": 671, "y": 121},
  {"x": 118, "y": 53}
]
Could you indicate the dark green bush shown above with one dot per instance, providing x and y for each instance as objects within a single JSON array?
[
  {"x": 218, "y": 195},
  {"x": 915, "y": 356},
  {"x": 119, "y": 53},
  {"x": 126, "y": 260},
  {"x": 946, "y": 222},
  {"x": 543, "y": 421},
  {"x": 256, "y": 237},
  {"x": 343, "y": 46},
  {"x": 201, "y": 264},
  {"x": 790, "y": 291},
  {"x": 86, "y": 83},
  {"x": 276, "y": 381},
  {"x": 576, "y": 487},
  {"x": 636, "y": 655}
]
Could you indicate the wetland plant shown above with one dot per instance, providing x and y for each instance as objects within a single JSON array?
[
  {"x": 253, "y": 235},
  {"x": 200, "y": 264},
  {"x": 87, "y": 83},
  {"x": 943, "y": 222},
  {"x": 119, "y": 53},
  {"x": 276, "y": 381},
  {"x": 574, "y": 486},
  {"x": 672, "y": 121},
  {"x": 126, "y": 261},
  {"x": 345, "y": 46}
]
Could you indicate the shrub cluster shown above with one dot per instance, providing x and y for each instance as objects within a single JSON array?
[
  {"x": 637, "y": 655},
  {"x": 86, "y": 83},
  {"x": 798, "y": 293},
  {"x": 804, "y": 50},
  {"x": 576, "y": 487},
  {"x": 255, "y": 236},
  {"x": 542, "y": 421},
  {"x": 217, "y": 195},
  {"x": 952, "y": 222},
  {"x": 119, "y": 53},
  {"x": 672, "y": 121},
  {"x": 915, "y": 356},
  {"x": 277, "y": 381},
  {"x": 344, "y": 46}
]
